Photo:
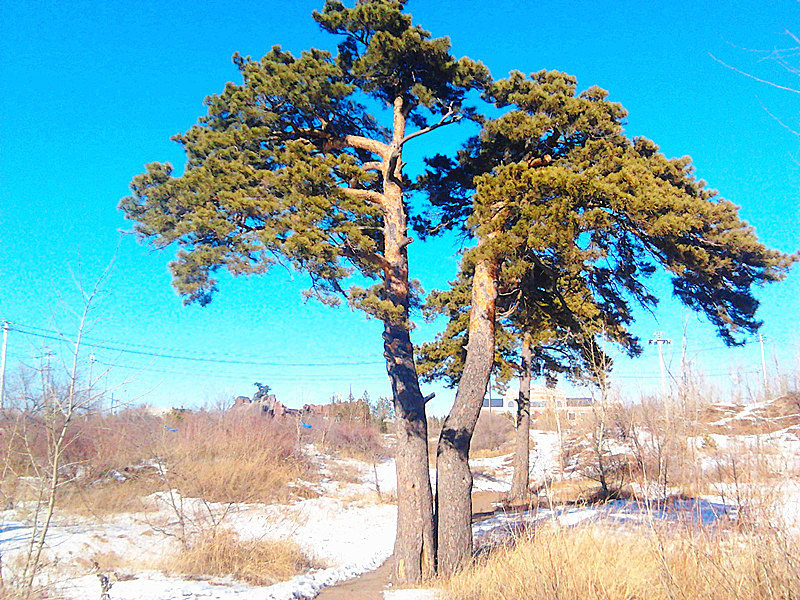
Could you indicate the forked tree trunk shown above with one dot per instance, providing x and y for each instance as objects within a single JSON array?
[
  {"x": 522, "y": 438},
  {"x": 454, "y": 479},
  {"x": 414, "y": 543}
]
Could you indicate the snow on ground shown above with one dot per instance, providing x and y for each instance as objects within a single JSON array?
[
  {"x": 780, "y": 449},
  {"x": 494, "y": 474},
  {"x": 501, "y": 526},
  {"x": 790, "y": 505},
  {"x": 348, "y": 531}
]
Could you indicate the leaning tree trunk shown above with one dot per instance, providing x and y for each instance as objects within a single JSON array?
[
  {"x": 414, "y": 544},
  {"x": 522, "y": 439},
  {"x": 454, "y": 479}
]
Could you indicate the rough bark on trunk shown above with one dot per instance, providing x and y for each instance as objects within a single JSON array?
[
  {"x": 414, "y": 543},
  {"x": 522, "y": 438},
  {"x": 454, "y": 479}
]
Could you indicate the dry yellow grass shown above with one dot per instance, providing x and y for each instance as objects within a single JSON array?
[
  {"x": 228, "y": 458},
  {"x": 219, "y": 457},
  {"x": 109, "y": 497},
  {"x": 220, "y": 552},
  {"x": 600, "y": 562},
  {"x": 572, "y": 490},
  {"x": 491, "y": 452}
]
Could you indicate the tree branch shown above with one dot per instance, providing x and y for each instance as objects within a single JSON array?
[
  {"x": 373, "y": 165},
  {"x": 348, "y": 251},
  {"x": 449, "y": 117},
  {"x": 368, "y": 195},
  {"x": 365, "y": 143},
  {"x": 396, "y": 147}
]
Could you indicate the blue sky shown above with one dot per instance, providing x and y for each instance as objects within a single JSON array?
[{"x": 91, "y": 91}]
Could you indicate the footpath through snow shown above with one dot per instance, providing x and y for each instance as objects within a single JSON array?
[{"x": 347, "y": 530}]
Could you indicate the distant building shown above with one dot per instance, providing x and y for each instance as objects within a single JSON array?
[
  {"x": 267, "y": 405},
  {"x": 542, "y": 398}
]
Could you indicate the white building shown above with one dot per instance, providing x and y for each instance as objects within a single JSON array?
[{"x": 541, "y": 397}]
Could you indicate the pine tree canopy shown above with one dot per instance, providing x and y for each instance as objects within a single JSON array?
[
  {"x": 579, "y": 217},
  {"x": 562, "y": 342},
  {"x": 289, "y": 165}
]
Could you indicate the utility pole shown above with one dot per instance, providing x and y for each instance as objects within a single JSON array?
[
  {"x": 44, "y": 361},
  {"x": 763, "y": 364},
  {"x": 659, "y": 341},
  {"x": 6, "y": 327},
  {"x": 91, "y": 364}
]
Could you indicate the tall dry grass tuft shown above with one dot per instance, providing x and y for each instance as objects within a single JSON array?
[
  {"x": 220, "y": 552},
  {"x": 224, "y": 457},
  {"x": 112, "y": 461},
  {"x": 657, "y": 563}
]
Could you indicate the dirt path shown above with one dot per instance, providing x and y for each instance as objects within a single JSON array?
[{"x": 370, "y": 586}]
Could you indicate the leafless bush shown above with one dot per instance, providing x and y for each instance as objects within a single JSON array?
[
  {"x": 493, "y": 435},
  {"x": 351, "y": 438}
]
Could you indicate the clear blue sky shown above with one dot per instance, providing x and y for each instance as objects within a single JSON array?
[{"x": 91, "y": 91}]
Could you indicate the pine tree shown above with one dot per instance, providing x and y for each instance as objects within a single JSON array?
[
  {"x": 573, "y": 216},
  {"x": 289, "y": 166}
]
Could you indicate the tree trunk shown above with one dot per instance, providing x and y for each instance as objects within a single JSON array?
[
  {"x": 414, "y": 544},
  {"x": 522, "y": 440},
  {"x": 454, "y": 479}
]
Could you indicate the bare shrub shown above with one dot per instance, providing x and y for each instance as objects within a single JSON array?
[
  {"x": 100, "y": 453},
  {"x": 221, "y": 552},
  {"x": 112, "y": 461},
  {"x": 355, "y": 438},
  {"x": 103, "y": 443},
  {"x": 225, "y": 457},
  {"x": 493, "y": 436}
]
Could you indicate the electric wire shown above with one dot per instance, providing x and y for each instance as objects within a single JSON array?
[{"x": 117, "y": 348}]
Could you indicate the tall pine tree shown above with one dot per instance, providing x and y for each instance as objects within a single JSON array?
[
  {"x": 574, "y": 216},
  {"x": 290, "y": 166}
]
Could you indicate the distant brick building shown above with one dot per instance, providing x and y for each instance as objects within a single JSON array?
[{"x": 267, "y": 405}]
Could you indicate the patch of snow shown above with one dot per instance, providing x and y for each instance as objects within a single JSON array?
[
  {"x": 501, "y": 526},
  {"x": 494, "y": 474}
]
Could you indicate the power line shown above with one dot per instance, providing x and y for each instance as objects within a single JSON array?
[
  {"x": 121, "y": 349},
  {"x": 159, "y": 350},
  {"x": 229, "y": 375}
]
